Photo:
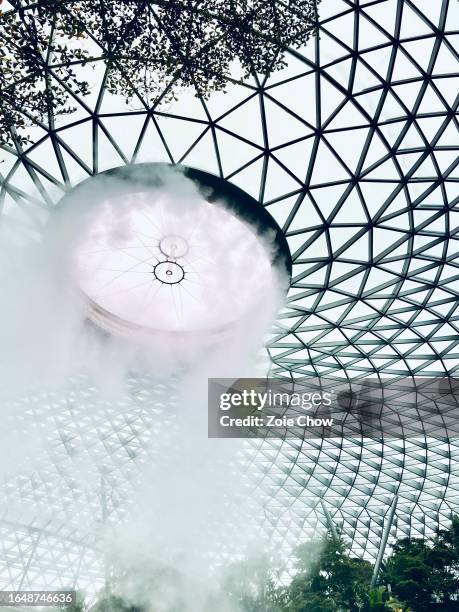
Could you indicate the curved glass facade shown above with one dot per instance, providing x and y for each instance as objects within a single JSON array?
[{"x": 352, "y": 148}]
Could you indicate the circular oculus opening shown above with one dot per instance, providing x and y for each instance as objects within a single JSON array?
[{"x": 170, "y": 251}]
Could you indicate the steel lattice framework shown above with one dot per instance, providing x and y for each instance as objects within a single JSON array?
[{"x": 352, "y": 148}]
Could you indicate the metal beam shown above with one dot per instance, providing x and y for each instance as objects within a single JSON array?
[
  {"x": 384, "y": 538},
  {"x": 329, "y": 521}
]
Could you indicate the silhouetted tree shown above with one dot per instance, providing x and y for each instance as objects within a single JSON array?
[{"x": 149, "y": 47}]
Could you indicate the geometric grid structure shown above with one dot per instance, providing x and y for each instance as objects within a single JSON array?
[
  {"x": 352, "y": 148},
  {"x": 85, "y": 468}
]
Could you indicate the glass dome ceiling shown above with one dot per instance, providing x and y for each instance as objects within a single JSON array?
[{"x": 352, "y": 148}]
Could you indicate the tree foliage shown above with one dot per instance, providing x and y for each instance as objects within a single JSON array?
[
  {"x": 114, "y": 603},
  {"x": 329, "y": 579},
  {"x": 425, "y": 574},
  {"x": 77, "y": 606},
  {"x": 150, "y": 48},
  {"x": 252, "y": 586},
  {"x": 418, "y": 575}
]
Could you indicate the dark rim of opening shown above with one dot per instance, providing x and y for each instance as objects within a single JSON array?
[{"x": 212, "y": 188}]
